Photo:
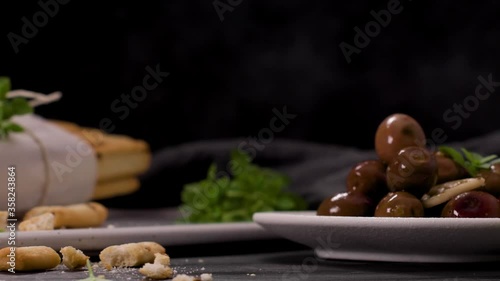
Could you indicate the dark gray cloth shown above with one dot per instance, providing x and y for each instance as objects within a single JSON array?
[{"x": 316, "y": 170}]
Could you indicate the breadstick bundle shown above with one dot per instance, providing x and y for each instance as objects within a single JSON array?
[
  {"x": 44, "y": 165},
  {"x": 60, "y": 163},
  {"x": 120, "y": 159},
  {"x": 47, "y": 162}
]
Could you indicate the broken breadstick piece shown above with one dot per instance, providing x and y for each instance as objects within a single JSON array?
[
  {"x": 80, "y": 215},
  {"x": 130, "y": 254},
  {"x": 159, "y": 269},
  {"x": 41, "y": 222},
  {"x": 32, "y": 258},
  {"x": 73, "y": 258}
]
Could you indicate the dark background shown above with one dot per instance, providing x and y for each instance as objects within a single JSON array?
[{"x": 227, "y": 76}]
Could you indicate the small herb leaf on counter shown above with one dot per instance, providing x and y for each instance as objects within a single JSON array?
[{"x": 92, "y": 277}]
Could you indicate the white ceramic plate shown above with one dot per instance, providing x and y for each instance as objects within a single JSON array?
[
  {"x": 125, "y": 226},
  {"x": 389, "y": 239}
]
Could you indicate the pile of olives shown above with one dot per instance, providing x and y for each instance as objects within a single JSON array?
[{"x": 410, "y": 180}]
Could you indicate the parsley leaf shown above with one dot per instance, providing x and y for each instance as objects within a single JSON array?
[
  {"x": 237, "y": 195},
  {"x": 472, "y": 162},
  {"x": 92, "y": 276},
  {"x": 4, "y": 87},
  {"x": 9, "y": 108}
]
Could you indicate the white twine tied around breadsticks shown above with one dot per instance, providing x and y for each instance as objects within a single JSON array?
[{"x": 36, "y": 100}]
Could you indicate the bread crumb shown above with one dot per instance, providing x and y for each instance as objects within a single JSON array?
[
  {"x": 73, "y": 258},
  {"x": 156, "y": 271},
  {"x": 43, "y": 221},
  {"x": 159, "y": 269},
  {"x": 162, "y": 259},
  {"x": 206, "y": 277}
]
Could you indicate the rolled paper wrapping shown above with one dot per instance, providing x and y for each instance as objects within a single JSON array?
[{"x": 53, "y": 166}]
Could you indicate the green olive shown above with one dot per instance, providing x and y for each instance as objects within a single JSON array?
[
  {"x": 399, "y": 204},
  {"x": 414, "y": 170},
  {"x": 396, "y": 132}
]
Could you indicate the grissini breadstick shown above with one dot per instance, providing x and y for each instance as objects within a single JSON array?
[
  {"x": 119, "y": 158},
  {"x": 130, "y": 254},
  {"x": 33, "y": 258},
  {"x": 80, "y": 215},
  {"x": 44, "y": 221},
  {"x": 116, "y": 187},
  {"x": 120, "y": 165}
]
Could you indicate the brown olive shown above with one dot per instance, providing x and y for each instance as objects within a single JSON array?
[
  {"x": 414, "y": 170},
  {"x": 368, "y": 178},
  {"x": 345, "y": 204},
  {"x": 399, "y": 204},
  {"x": 396, "y": 132},
  {"x": 492, "y": 179},
  {"x": 448, "y": 170}
]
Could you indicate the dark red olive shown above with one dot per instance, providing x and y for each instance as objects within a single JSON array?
[
  {"x": 414, "y": 170},
  {"x": 346, "y": 204},
  {"x": 472, "y": 204}
]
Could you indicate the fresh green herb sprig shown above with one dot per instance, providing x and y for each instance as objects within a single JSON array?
[
  {"x": 472, "y": 162},
  {"x": 9, "y": 108},
  {"x": 236, "y": 196},
  {"x": 92, "y": 277}
]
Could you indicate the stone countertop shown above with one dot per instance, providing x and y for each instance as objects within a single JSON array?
[{"x": 298, "y": 264}]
